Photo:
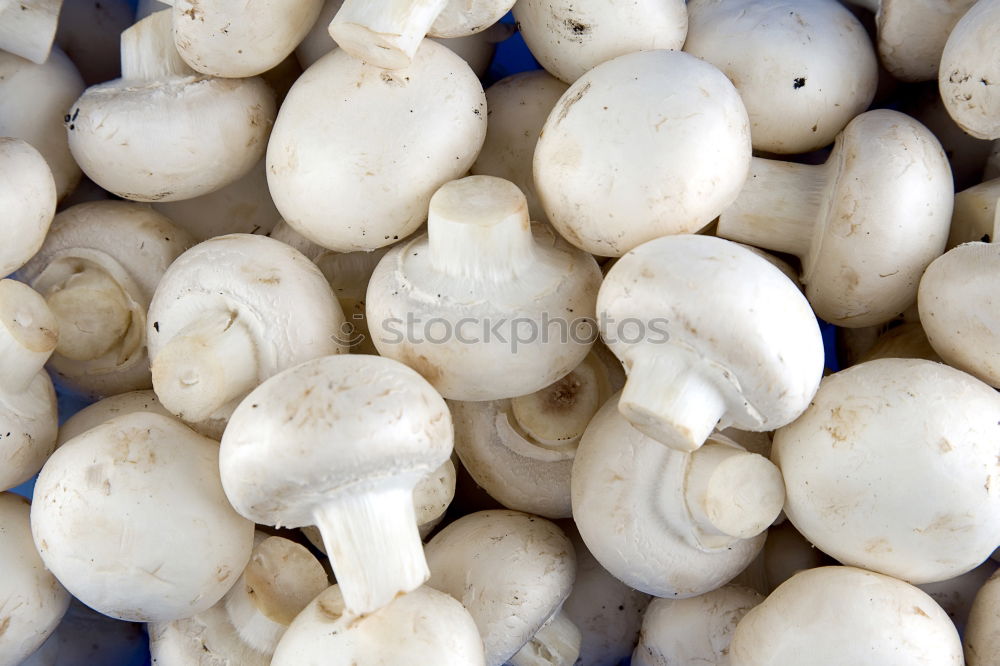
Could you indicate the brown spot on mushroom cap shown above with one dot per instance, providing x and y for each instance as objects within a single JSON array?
[
  {"x": 920, "y": 611},
  {"x": 422, "y": 365},
  {"x": 573, "y": 99},
  {"x": 3, "y": 625},
  {"x": 330, "y": 609}
]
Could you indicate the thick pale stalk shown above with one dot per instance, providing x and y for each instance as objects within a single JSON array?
[
  {"x": 206, "y": 366},
  {"x": 372, "y": 540},
  {"x": 28, "y": 335},
  {"x": 778, "y": 207},
  {"x": 384, "y": 33},
  {"x": 557, "y": 643},
  {"x": 28, "y": 27},
  {"x": 93, "y": 314},
  {"x": 148, "y": 51}
]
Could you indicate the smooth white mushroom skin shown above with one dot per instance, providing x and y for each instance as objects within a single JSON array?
[
  {"x": 569, "y": 38},
  {"x": 33, "y": 600},
  {"x": 111, "y": 407},
  {"x": 905, "y": 341},
  {"x": 695, "y": 630},
  {"x": 912, "y": 34},
  {"x": 423, "y": 626},
  {"x": 894, "y": 468},
  {"x": 599, "y": 167},
  {"x": 28, "y": 27},
  {"x": 854, "y": 220},
  {"x": 350, "y": 185},
  {"x": 982, "y": 634},
  {"x": 673, "y": 304},
  {"x": 106, "y": 503},
  {"x": 34, "y": 101},
  {"x": 804, "y": 69},
  {"x": 969, "y": 75},
  {"x": 88, "y": 33},
  {"x": 27, "y": 199},
  {"x": 485, "y": 306},
  {"x": 846, "y": 615},
  {"x": 511, "y": 571}
]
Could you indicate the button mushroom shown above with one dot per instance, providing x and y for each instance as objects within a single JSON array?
[
  {"x": 969, "y": 75},
  {"x": 600, "y": 167},
  {"x": 484, "y": 306},
  {"x": 865, "y": 224},
  {"x": 27, "y": 199},
  {"x": 982, "y": 636},
  {"x": 340, "y": 442},
  {"x": 974, "y": 214},
  {"x": 108, "y": 502},
  {"x": 688, "y": 369},
  {"x": 111, "y": 407}
]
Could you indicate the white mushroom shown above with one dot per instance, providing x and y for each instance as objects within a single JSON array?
[
  {"x": 162, "y": 132},
  {"x": 695, "y": 630},
  {"x": 131, "y": 517},
  {"x": 388, "y": 33},
  {"x": 804, "y": 69},
  {"x": 894, "y": 467},
  {"x": 350, "y": 185},
  {"x": 969, "y": 75},
  {"x": 33, "y": 600},
  {"x": 512, "y": 572},
  {"x": 865, "y": 224},
  {"x": 521, "y": 450},
  {"x": 97, "y": 269},
  {"x": 975, "y": 213},
  {"x": 28, "y": 202},
  {"x": 905, "y": 341},
  {"x": 600, "y": 167},
  {"x": 111, "y": 407},
  {"x": 231, "y": 312},
  {"x": 421, "y": 627},
  {"x": 484, "y": 306},
  {"x": 28, "y": 418},
  {"x": 89, "y": 31},
  {"x": 570, "y": 37},
  {"x": 982, "y": 635},
  {"x": 709, "y": 334},
  {"x": 28, "y": 27},
  {"x": 34, "y": 101},
  {"x": 956, "y": 595},
  {"x": 340, "y": 442},
  {"x": 244, "y": 628},
  {"x": 684, "y": 524}
]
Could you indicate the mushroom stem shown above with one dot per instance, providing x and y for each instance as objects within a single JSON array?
[
  {"x": 478, "y": 228},
  {"x": 28, "y": 28},
  {"x": 557, "y": 643},
  {"x": 373, "y": 543},
  {"x": 387, "y": 33},
  {"x": 669, "y": 398},
  {"x": 28, "y": 335},
  {"x": 732, "y": 492},
  {"x": 206, "y": 366},
  {"x": 93, "y": 314},
  {"x": 148, "y": 51},
  {"x": 778, "y": 207}
]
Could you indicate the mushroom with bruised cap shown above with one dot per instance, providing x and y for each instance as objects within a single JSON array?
[{"x": 340, "y": 442}]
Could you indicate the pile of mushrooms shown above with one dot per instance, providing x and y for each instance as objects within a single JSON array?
[{"x": 669, "y": 333}]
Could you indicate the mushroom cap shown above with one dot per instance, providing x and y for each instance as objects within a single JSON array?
[
  {"x": 34, "y": 601},
  {"x": 28, "y": 199},
  {"x": 571, "y": 37},
  {"x": 511, "y": 571},
  {"x": 111, "y": 407},
  {"x": 887, "y": 219},
  {"x": 623, "y": 478},
  {"x": 804, "y": 68},
  {"x": 422, "y": 626},
  {"x": 859, "y": 616},
  {"x": 108, "y": 500},
  {"x": 461, "y": 18},
  {"x": 695, "y": 630},
  {"x": 28, "y": 429},
  {"x": 912, "y": 35},
  {"x": 957, "y": 309},
  {"x": 969, "y": 75},
  {"x": 894, "y": 468},
  {"x": 645, "y": 145},
  {"x": 982, "y": 634},
  {"x": 756, "y": 337},
  {"x": 329, "y": 426},
  {"x": 205, "y": 639},
  {"x": 208, "y": 133},
  {"x": 376, "y": 184}
]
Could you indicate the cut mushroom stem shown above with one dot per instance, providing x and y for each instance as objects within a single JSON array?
[
  {"x": 778, "y": 206},
  {"x": 387, "y": 33},
  {"x": 93, "y": 311},
  {"x": 148, "y": 51},
  {"x": 28, "y": 335},
  {"x": 478, "y": 227},
  {"x": 373, "y": 543},
  {"x": 28, "y": 28},
  {"x": 714, "y": 471},
  {"x": 557, "y": 643},
  {"x": 669, "y": 398}
]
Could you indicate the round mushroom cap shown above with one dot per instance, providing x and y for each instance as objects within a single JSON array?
[
  {"x": 912, "y": 35},
  {"x": 131, "y": 517},
  {"x": 982, "y": 635},
  {"x": 94, "y": 415},
  {"x": 804, "y": 68},
  {"x": 895, "y": 467},
  {"x": 969, "y": 75},
  {"x": 28, "y": 200},
  {"x": 33, "y": 600},
  {"x": 421, "y": 627},
  {"x": 646, "y": 145},
  {"x": 333, "y": 425},
  {"x": 511, "y": 571},
  {"x": 847, "y": 616}
]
